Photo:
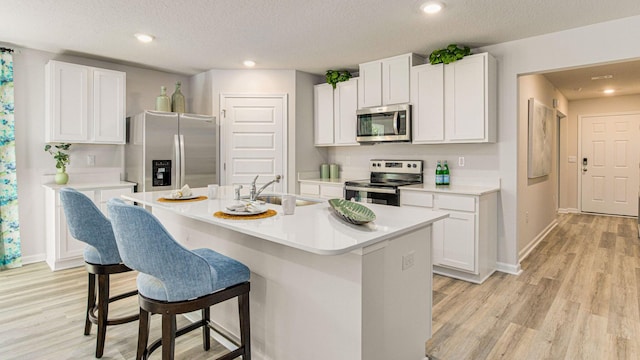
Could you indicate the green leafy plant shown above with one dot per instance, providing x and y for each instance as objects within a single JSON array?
[
  {"x": 61, "y": 157},
  {"x": 449, "y": 54},
  {"x": 336, "y": 76}
]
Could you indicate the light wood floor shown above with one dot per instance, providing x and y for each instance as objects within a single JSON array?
[{"x": 577, "y": 298}]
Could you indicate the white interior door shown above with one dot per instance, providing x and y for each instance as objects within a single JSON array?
[
  {"x": 609, "y": 164},
  {"x": 253, "y": 138}
]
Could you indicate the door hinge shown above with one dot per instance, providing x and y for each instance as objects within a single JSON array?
[
  {"x": 224, "y": 166},
  {"x": 224, "y": 113}
]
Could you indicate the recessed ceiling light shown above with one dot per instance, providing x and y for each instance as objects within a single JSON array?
[
  {"x": 145, "y": 38},
  {"x": 609, "y": 91},
  {"x": 432, "y": 7},
  {"x": 249, "y": 63}
]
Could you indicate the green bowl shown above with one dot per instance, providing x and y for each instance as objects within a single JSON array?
[{"x": 352, "y": 212}]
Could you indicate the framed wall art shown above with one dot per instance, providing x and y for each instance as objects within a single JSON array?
[{"x": 540, "y": 139}]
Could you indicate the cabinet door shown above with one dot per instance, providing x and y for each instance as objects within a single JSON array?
[
  {"x": 427, "y": 96},
  {"x": 370, "y": 84},
  {"x": 67, "y": 102},
  {"x": 323, "y": 114},
  {"x": 465, "y": 99},
  {"x": 454, "y": 243},
  {"x": 395, "y": 80},
  {"x": 331, "y": 191},
  {"x": 345, "y": 105},
  {"x": 108, "y": 106},
  {"x": 68, "y": 246}
]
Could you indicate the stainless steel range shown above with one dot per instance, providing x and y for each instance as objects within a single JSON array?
[{"x": 383, "y": 185}]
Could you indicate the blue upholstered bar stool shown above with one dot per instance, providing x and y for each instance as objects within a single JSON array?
[
  {"x": 174, "y": 280},
  {"x": 87, "y": 224}
]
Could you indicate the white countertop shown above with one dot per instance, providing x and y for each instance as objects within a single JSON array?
[
  {"x": 320, "y": 181},
  {"x": 91, "y": 185},
  {"x": 453, "y": 189},
  {"x": 313, "y": 228}
]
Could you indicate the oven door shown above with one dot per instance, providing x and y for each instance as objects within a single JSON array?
[
  {"x": 372, "y": 195},
  {"x": 391, "y": 123}
]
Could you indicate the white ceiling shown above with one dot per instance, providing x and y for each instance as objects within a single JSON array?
[{"x": 193, "y": 36}]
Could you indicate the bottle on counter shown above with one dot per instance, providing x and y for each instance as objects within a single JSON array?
[
  {"x": 445, "y": 174},
  {"x": 439, "y": 174}
]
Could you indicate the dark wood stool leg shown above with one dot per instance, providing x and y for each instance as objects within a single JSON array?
[
  {"x": 245, "y": 327},
  {"x": 143, "y": 335},
  {"x": 168, "y": 336},
  {"x": 91, "y": 302},
  {"x": 103, "y": 312},
  {"x": 206, "y": 332}
]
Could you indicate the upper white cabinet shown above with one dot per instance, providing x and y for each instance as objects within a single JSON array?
[
  {"x": 386, "y": 81},
  {"x": 335, "y": 113},
  {"x": 84, "y": 104},
  {"x": 455, "y": 103}
]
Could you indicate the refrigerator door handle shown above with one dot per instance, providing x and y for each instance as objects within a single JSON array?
[
  {"x": 183, "y": 177},
  {"x": 176, "y": 149}
]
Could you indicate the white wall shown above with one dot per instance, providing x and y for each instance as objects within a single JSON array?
[
  {"x": 537, "y": 198},
  {"x": 32, "y": 162},
  {"x": 577, "y": 108}
]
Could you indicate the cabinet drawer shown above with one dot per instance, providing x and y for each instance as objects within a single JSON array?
[
  {"x": 309, "y": 189},
  {"x": 331, "y": 192},
  {"x": 414, "y": 198},
  {"x": 461, "y": 203}
]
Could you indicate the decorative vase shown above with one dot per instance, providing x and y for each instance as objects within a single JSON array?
[
  {"x": 177, "y": 100},
  {"x": 163, "y": 103},
  {"x": 61, "y": 177}
]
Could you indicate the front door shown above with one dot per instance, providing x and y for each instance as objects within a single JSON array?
[
  {"x": 609, "y": 164},
  {"x": 253, "y": 138}
]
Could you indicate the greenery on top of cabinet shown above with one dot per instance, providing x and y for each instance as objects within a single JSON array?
[
  {"x": 449, "y": 54},
  {"x": 335, "y": 76}
]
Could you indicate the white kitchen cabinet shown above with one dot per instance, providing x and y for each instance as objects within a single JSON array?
[
  {"x": 321, "y": 189},
  {"x": 386, "y": 82},
  {"x": 465, "y": 243},
  {"x": 455, "y": 103},
  {"x": 63, "y": 250},
  {"x": 84, "y": 104},
  {"x": 335, "y": 113}
]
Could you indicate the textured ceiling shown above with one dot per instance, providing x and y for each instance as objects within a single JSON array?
[{"x": 196, "y": 35}]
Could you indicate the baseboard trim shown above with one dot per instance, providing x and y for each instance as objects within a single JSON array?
[
  {"x": 509, "y": 268},
  {"x": 532, "y": 245},
  {"x": 568, "y": 211},
  {"x": 31, "y": 259}
]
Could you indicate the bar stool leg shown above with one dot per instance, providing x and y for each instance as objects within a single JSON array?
[
  {"x": 91, "y": 302},
  {"x": 143, "y": 334},
  {"x": 103, "y": 311},
  {"x": 168, "y": 336},
  {"x": 206, "y": 332},
  {"x": 245, "y": 327}
]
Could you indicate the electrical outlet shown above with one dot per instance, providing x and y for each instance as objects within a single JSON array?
[
  {"x": 526, "y": 217},
  {"x": 461, "y": 161},
  {"x": 408, "y": 260},
  {"x": 91, "y": 160}
]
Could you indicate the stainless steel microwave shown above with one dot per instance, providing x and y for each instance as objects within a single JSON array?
[{"x": 384, "y": 124}]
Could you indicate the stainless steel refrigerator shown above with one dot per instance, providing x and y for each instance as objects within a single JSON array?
[{"x": 166, "y": 150}]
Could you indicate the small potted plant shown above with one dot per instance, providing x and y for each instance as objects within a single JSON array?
[
  {"x": 449, "y": 54},
  {"x": 62, "y": 159},
  {"x": 335, "y": 76}
]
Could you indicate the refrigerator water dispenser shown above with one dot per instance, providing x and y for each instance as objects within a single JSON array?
[{"x": 161, "y": 172}]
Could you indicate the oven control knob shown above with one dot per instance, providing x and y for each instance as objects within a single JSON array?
[
  {"x": 408, "y": 165},
  {"x": 415, "y": 166},
  {"x": 379, "y": 165},
  {"x": 374, "y": 164}
]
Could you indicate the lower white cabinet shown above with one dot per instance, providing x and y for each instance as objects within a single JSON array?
[
  {"x": 322, "y": 190},
  {"x": 465, "y": 243},
  {"x": 63, "y": 250}
]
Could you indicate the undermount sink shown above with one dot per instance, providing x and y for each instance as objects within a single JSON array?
[{"x": 277, "y": 200}]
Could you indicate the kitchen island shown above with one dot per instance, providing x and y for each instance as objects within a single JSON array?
[{"x": 320, "y": 288}]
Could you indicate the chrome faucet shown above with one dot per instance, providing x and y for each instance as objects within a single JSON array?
[{"x": 253, "y": 194}]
